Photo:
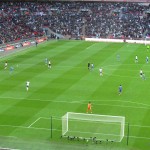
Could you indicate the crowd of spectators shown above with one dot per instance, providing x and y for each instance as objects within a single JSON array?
[
  {"x": 119, "y": 20},
  {"x": 15, "y": 22},
  {"x": 22, "y": 20}
]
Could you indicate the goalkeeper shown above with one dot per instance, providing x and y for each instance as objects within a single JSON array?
[{"x": 89, "y": 107}]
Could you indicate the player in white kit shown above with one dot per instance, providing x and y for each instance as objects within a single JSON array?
[
  {"x": 101, "y": 72},
  {"x": 27, "y": 85}
]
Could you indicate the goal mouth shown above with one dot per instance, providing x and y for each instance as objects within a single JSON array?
[{"x": 102, "y": 127}]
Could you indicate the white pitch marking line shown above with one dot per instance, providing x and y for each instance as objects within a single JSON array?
[
  {"x": 59, "y": 118},
  {"x": 139, "y": 126},
  {"x": 24, "y": 127},
  {"x": 4, "y": 148},
  {"x": 91, "y": 46},
  {"x": 55, "y": 117},
  {"x": 124, "y": 106},
  {"x": 61, "y": 130},
  {"x": 34, "y": 122},
  {"x": 82, "y": 102},
  {"x": 9, "y": 137},
  {"x": 136, "y": 137}
]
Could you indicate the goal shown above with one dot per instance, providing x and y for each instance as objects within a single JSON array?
[{"x": 101, "y": 127}]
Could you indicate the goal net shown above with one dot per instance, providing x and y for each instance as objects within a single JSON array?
[{"x": 101, "y": 127}]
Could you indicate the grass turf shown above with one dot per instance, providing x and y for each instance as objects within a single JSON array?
[{"x": 25, "y": 117}]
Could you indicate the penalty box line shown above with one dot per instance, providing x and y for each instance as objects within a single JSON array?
[{"x": 37, "y": 121}]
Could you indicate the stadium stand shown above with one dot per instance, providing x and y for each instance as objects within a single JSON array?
[{"x": 23, "y": 20}]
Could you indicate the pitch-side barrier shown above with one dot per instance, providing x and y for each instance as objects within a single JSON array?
[{"x": 118, "y": 40}]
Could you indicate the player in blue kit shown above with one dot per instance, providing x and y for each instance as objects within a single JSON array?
[
  {"x": 46, "y": 61},
  {"x": 11, "y": 69},
  {"x": 118, "y": 57},
  {"x": 147, "y": 59},
  {"x": 120, "y": 89},
  {"x": 143, "y": 76}
]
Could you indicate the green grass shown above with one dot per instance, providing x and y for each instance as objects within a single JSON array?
[{"x": 25, "y": 117}]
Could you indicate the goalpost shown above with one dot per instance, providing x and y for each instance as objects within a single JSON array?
[{"x": 101, "y": 127}]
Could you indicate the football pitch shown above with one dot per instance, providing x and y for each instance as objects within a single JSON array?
[{"x": 32, "y": 119}]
